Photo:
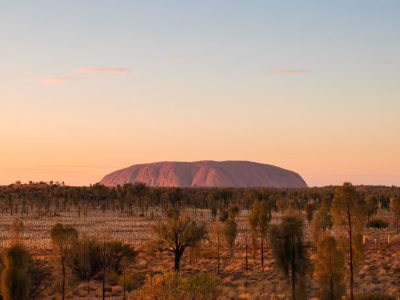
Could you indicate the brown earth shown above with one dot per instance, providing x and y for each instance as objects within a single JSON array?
[{"x": 380, "y": 271}]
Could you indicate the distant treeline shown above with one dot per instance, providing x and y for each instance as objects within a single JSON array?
[{"x": 46, "y": 199}]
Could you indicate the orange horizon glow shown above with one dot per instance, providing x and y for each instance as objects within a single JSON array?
[{"x": 88, "y": 88}]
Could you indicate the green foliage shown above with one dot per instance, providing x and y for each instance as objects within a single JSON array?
[
  {"x": 371, "y": 205},
  {"x": 202, "y": 286},
  {"x": 329, "y": 269},
  {"x": 377, "y": 223},
  {"x": 176, "y": 234},
  {"x": 233, "y": 211},
  {"x": 321, "y": 222},
  {"x": 259, "y": 218},
  {"x": 289, "y": 252},
  {"x": 171, "y": 286},
  {"x": 118, "y": 252},
  {"x": 16, "y": 279},
  {"x": 348, "y": 209},
  {"x": 229, "y": 232},
  {"x": 63, "y": 238},
  {"x": 348, "y": 214},
  {"x": 86, "y": 259},
  {"x": 310, "y": 208}
]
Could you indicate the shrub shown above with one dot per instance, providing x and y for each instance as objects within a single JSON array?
[
  {"x": 130, "y": 282},
  {"x": 171, "y": 286},
  {"x": 86, "y": 257},
  {"x": 377, "y": 223},
  {"x": 15, "y": 279}
]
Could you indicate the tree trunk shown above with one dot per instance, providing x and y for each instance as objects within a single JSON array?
[
  {"x": 350, "y": 256},
  {"x": 331, "y": 277},
  {"x": 103, "y": 294},
  {"x": 262, "y": 252},
  {"x": 254, "y": 248},
  {"x": 88, "y": 286},
  {"x": 124, "y": 286},
  {"x": 178, "y": 256},
  {"x": 247, "y": 260},
  {"x": 218, "y": 256},
  {"x": 63, "y": 279},
  {"x": 293, "y": 282}
]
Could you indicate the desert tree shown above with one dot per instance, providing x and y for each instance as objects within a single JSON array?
[
  {"x": 173, "y": 198},
  {"x": 321, "y": 222},
  {"x": 290, "y": 253},
  {"x": 91, "y": 258},
  {"x": 371, "y": 206},
  {"x": 176, "y": 234},
  {"x": 85, "y": 259},
  {"x": 124, "y": 266},
  {"x": 282, "y": 203},
  {"x": 348, "y": 214},
  {"x": 41, "y": 276},
  {"x": 230, "y": 231},
  {"x": 246, "y": 241},
  {"x": 395, "y": 206},
  {"x": 15, "y": 278},
  {"x": 214, "y": 211},
  {"x": 329, "y": 269},
  {"x": 115, "y": 256},
  {"x": 214, "y": 238},
  {"x": 233, "y": 211},
  {"x": 63, "y": 238},
  {"x": 140, "y": 190},
  {"x": 259, "y": 218},
  {"x": 310, "y": 209}
]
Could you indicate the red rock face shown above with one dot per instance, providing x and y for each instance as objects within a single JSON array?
[{"x": 206, "y": 174}]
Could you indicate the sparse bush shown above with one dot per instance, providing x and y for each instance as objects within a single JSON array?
[
  {"x": 63, "y": 238},
  {"x": 171, "y": 286},
  {"x": 329, "y": 269},
  {"x": 130, "y": 282},
  {"x": 259, "y": 218},
  {"x": 229, "y": 231},
  {"x": 378, "y": 224},
  {"x": 290, "y": 254},
  {"x": 85, "y": 258},
  {"x": 16, "y": 278}
]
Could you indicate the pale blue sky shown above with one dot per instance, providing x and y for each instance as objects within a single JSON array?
[{"x": 313, "y": 86}]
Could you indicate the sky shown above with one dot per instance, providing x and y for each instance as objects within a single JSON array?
[{"x": 89, "y": 87}]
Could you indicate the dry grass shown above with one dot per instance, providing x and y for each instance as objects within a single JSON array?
[{"x": 379, "y": 273}]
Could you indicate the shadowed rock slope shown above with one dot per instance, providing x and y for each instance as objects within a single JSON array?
[{"x": 206, "y": 174}]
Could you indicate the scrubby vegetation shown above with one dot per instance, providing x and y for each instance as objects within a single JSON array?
[
  {"x": 137, "y": 242},
  {"x": 378, "y": 224}
]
